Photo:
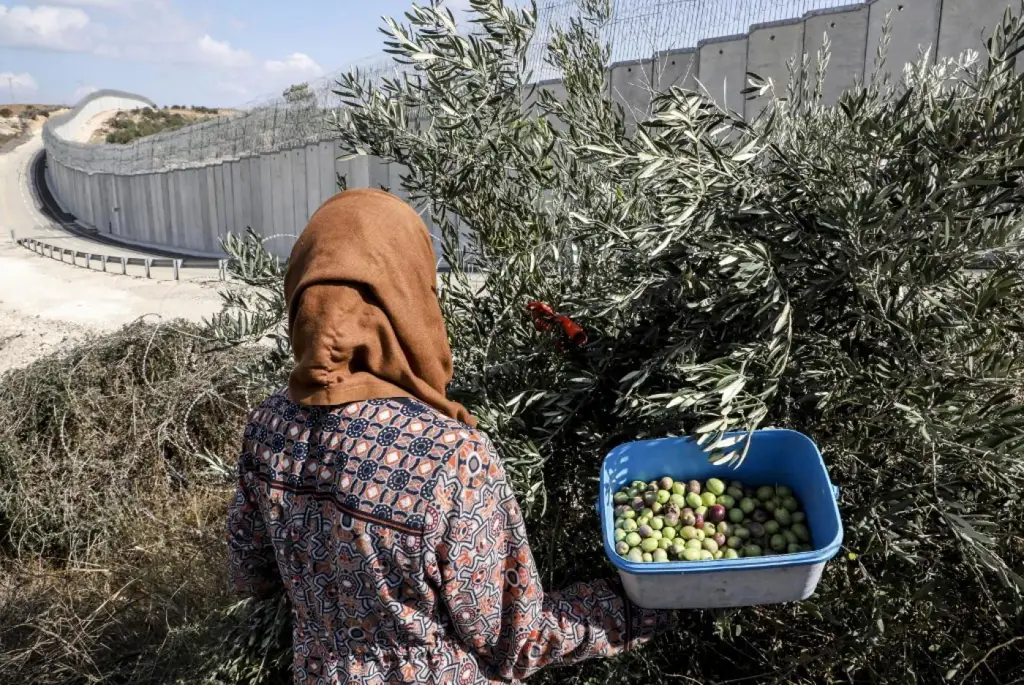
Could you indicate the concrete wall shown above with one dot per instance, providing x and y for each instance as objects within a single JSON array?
[{"x": 191, "y": 209}]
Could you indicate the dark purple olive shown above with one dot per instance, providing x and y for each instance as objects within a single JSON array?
[
  {"x": 688, "y": 519},
  {"x": 665, "y": 483},
  {"x": 756, "y": 530},
  {"x": 645, "y": 531},
  {"x": 750, "y": 492},
  {"x": 638, "y": 503},
  {"x": 650, "y": 497},
  {"x": 760, "y": 516},
  {"x": 693, "y": 486},
  {"x": 698, "y": 521},
  {"x": 717, "y": 513}
]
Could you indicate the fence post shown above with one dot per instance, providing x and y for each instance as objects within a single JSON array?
[
  {"x": 149, "y": 266},
  {"x": 88, "y": 260},
  {"x": 222, "y": 269},
  {"x": 177, "y": 268},
  {"x": 104, "y": 260},
  {"x": 124, "y": 266}
]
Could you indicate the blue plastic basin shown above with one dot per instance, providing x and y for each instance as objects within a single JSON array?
[{"x": 775, "y": 457}]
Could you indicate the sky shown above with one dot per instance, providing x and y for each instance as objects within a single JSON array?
[{"x": 192, "y": 52}]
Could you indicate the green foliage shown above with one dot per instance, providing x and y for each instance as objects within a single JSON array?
[
  {"x": 139, "y": 123},
  {"x": 815, "y": 267},
  {"x": 6, "y": 112},
  {"x": 299, "y": 94}
]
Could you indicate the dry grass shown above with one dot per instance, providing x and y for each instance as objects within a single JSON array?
[{"x": 112, "y": 568}]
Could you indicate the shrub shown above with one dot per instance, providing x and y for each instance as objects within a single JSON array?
[
  {"x": 6, "y": 112},
  {"x": 113, "y": 493},
  {"x": 816, "y": 267}
]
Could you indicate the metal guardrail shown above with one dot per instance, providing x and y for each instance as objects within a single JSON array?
[{"x": 87, "y": 259}]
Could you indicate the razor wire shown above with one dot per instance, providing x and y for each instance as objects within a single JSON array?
[{"x": 638, "y": 29}]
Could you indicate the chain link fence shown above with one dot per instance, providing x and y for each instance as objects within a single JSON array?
[{"x": 638, "y": 29}]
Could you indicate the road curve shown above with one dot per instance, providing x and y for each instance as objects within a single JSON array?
[{"x": 45, "y": 305}]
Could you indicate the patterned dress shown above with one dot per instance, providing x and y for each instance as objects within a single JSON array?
[{"x": 403, "y": 550}]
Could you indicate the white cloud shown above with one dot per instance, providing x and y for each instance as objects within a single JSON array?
[
  {"x": 50, "y": 28},
  {"x": 220, "y": 53},
  {"x": 100, "y": 4},
  {"x": 83, "y": 91},
  {"x": 298, "y": 65},
  {"x": 22, "y": 84}
]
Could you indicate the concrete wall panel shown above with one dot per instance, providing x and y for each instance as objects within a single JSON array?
[
  {"x": 311, "y": 156},
  {"x": 632, "y": 85},
  {"x": 297, "y": 164},
  {"x": 223, "y": 199},
  {"x": 265, "y": 163},
  {"x": 722, "y": 69},
  {"x": 769, "y": 49},
  {"x": 968, "y": 24},
  {"x": 847, "y": 31},
  {"x": 676, "y": 68},
  {"x": 328, "y": 181},
  {"x": 915, "y": 25}
]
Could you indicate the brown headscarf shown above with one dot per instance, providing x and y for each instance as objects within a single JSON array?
[{"x": 363, "y": 315}]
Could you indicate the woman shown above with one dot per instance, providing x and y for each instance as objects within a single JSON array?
[{"x": 371, "y": 497}]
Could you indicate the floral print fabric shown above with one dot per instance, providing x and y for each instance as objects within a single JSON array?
[{"x": 404, "y": 553}]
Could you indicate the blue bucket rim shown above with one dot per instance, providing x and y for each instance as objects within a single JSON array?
[{"x": 817, "y": 556}]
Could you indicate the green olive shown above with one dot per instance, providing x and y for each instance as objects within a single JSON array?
[
  {"x": 678, "y": 500},
  {"x": 620, "y": 498},
  {"x": 731, "y": 554},
  {"x": 770, "y": 506},
  {"x": 622, "y": 548},
  {"x": 664, "y": 496},
  {"x": 790, "y": 504},
  {"x": 647, "y": 511},
  {"x": 801, "y": 532},
  {"x": 708, "y": 498},
  {"x": 659, "y": 555},
  {"x": 656, "y": 508},
  {"x": 700, "y": 511},
  {"x": 709, "y": 529},
  {"x": 783, "y": 491},
  {"x": 717, "y": 555},
  {"x": 747, "y": 505},
  {"x": 735, "y": 493},
  {"x": 634, "y": 540},
  {"x": 635, "y": 555},
  {"x": 649, "y": 545},
  {"x": 734, "y": 542},
  {"x": 643, "y": 520},
  {"x": 726, "y": 501},
  {"x": 706, "y": 555},
  {"x": 710, "y": 545},
  {"x": 783, "y": 516},
  {"x": 668, "y": 532},
  {"x": 664, "y": 544},
  {"x": 629, "y": 514},
  {"x": 724, "y": 528},
  {"x": 798, "y": 517},
  {"x": 771, "y": 527},
  {"x": 741, "y": 532},
  {"x": 690, "y": 554},
  {"x": 629, "y": 525},
  {"x": 694, "y": 500},
  {"x": 765, "y": 493},
  {"x": 736, "y": 515},
  {"x": 693, "y": 544},
  {"x": 790, "y": 537},
  {"x": 792, "y": 548},
  {"x": 657, "y": 523},
  {"x": 620, "y": 534},
  {"x": 701, "y": 534},
  {"x": 716, "y": 486},
  {"x": 689, "y": 533},
  {"x": 752, "y": 551},
  {"x": 648, "y": 557},
  {"x": 778, "y": 542},
  {"x": 678, "y": 488}
]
